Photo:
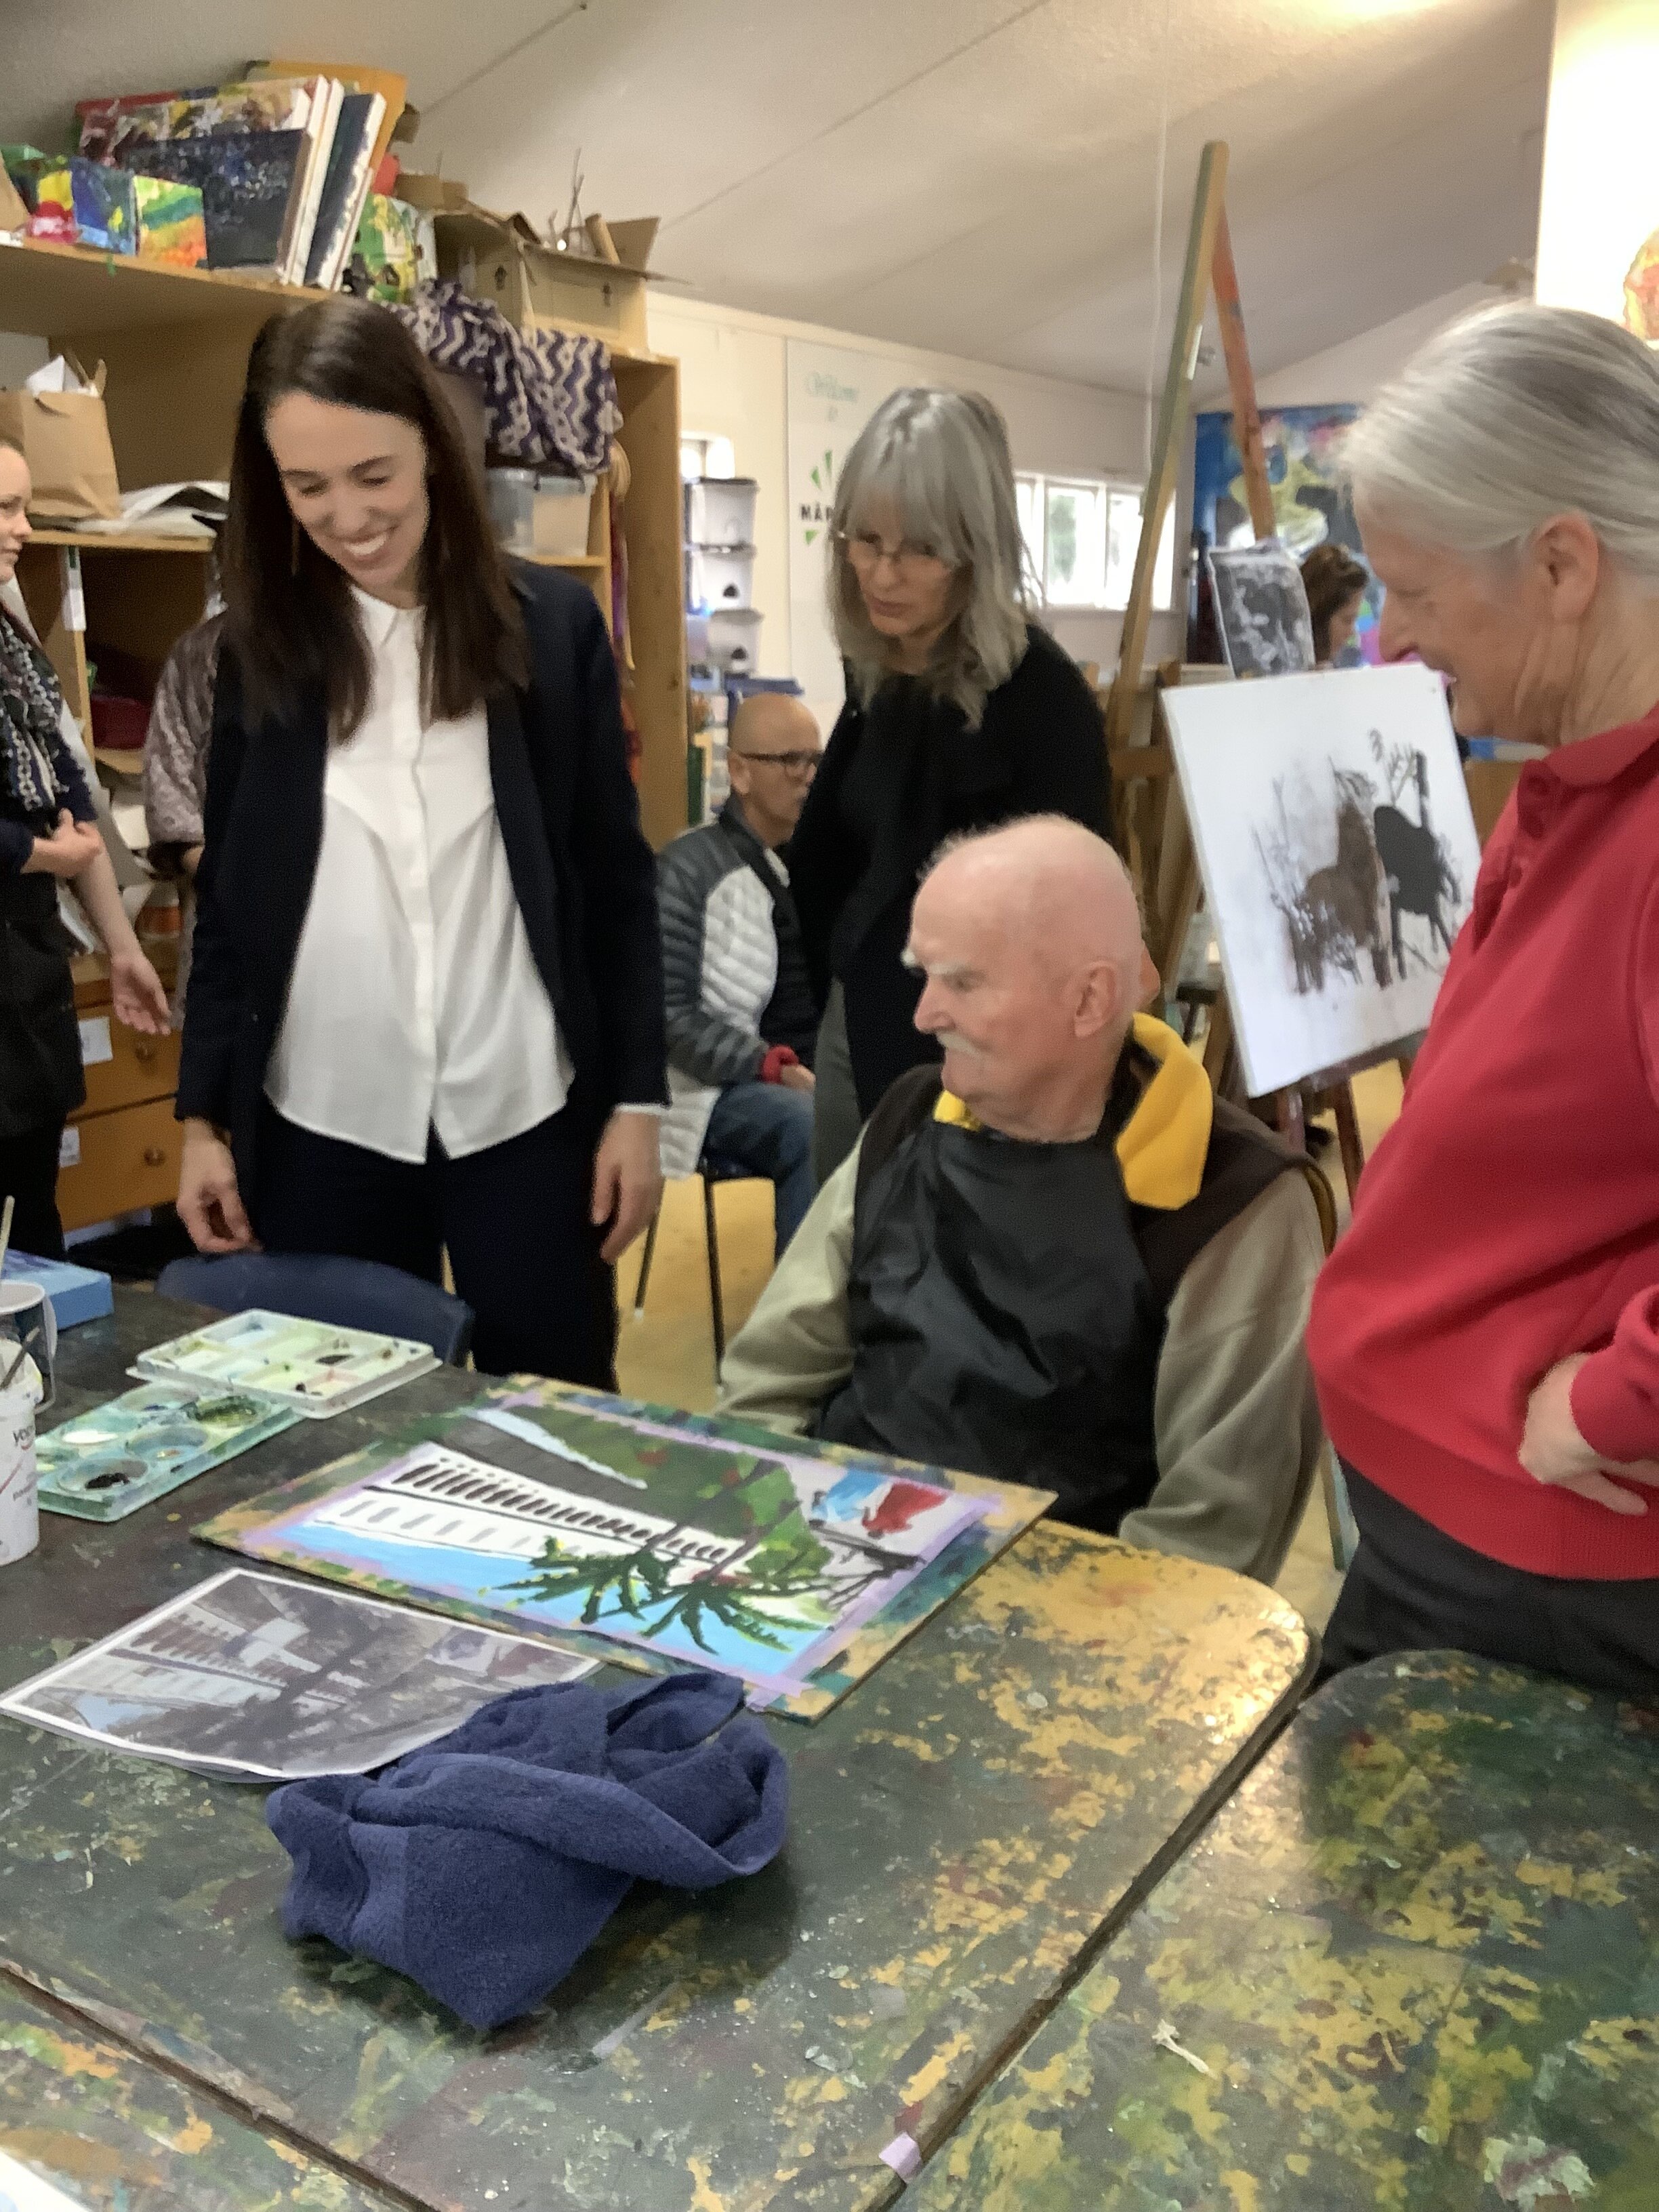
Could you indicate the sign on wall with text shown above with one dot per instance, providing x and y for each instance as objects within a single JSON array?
[{"x": 833, "y": 391}]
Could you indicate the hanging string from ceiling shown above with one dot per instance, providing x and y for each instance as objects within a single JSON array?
[{"x": 1156, "y": 324}]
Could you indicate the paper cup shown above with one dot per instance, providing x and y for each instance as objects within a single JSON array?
[
  {"x": 20, "y": 1512},
  {"x": 26, "y": 1318}
]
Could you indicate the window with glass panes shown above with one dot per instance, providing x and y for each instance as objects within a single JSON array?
[{"x": 1080, "y": 535}]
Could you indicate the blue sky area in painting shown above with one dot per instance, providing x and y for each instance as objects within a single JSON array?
[{"x": 485, "y": 1581}]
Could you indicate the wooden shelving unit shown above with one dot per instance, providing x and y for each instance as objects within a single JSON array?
[
  {"x": 174, "y": 344},
  {"x": 164, "y": 333}
]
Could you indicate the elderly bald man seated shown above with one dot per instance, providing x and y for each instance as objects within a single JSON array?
[{"x": 1057, "y": 1258}]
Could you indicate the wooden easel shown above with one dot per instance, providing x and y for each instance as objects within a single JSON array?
[{"x": 1154, "y": 835}]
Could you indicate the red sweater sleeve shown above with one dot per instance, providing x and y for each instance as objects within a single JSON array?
[{"x": 1615, "y": 1394}]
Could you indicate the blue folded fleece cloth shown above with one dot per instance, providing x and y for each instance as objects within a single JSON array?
[{"x": 483, "y": 1865}]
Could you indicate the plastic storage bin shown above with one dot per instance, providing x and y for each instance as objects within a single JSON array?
[
  {"x": 720, "y": 511},
  {"x": 719, "y": 576},
  {"x": 561, "y": 510},
  {"x": 734, "y": 639},
  {"x": 512, "y": 497}
]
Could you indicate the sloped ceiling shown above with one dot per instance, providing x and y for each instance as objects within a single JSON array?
[{"x": 971, "y": 176}]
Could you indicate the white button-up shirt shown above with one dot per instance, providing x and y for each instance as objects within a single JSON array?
[{"x": 415, "y": 1004}]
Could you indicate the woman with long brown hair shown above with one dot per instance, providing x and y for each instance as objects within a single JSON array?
[{"x": 425, "y": 1011}]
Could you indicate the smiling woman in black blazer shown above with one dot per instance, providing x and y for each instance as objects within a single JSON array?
[{"x": 425, "y": 1011}]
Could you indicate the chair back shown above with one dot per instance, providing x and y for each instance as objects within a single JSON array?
[{"x": 320, "y": 1286}]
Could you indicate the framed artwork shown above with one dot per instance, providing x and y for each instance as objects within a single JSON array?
[{"x": 1310, "y": 506}]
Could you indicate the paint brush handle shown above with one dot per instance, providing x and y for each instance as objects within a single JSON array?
[
  {"x": 5, "y": 1379},
  {"x": 5, "y": 1231}
]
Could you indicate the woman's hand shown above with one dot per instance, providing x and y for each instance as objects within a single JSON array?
[
  {"x": 627, "y": 1181},
  {"x": 210, "y": 1203},
  {"x": 67, "y": 852},
  {"x": 140, "y": 995},
  {"x": 1552, "y": 1450}
]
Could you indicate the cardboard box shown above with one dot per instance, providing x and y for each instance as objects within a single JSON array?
[
  {"x": 499, "y": 257},
  {"x": 75, "y": 1294},
  {"x": 64, "y": 436}
]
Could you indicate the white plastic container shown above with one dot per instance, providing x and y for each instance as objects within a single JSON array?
[
  {"x": 720, "y": 511},
  {"x": 734, "y": 640},
  {"x": 562, "y": 507},
  {"x": 719, "y": 576},
  {"x": 511, "y": 496},
  {"x": 20, "y": 1508}
]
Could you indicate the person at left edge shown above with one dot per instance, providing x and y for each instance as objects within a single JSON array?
[
  {"x": 425, "y": 1006},
  {"x": 48, "y": 836}
]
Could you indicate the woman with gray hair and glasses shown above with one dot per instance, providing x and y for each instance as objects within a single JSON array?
[
  {"x": 1486, "y": 1338},
  {"x": 960, "y": 714}
]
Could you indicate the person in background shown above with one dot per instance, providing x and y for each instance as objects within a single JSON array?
[
  {"x": 1058, "y": 1256},
  {"x": 1335, "y": 584},
  {"x": 175, "y": 771},
  {"x": 741, "y": 1018},
  {"x": 960, "y": 713},
  {"x": 48, "y": 836},
  {"x": 425, "y": 1007},
  {"x": 1486, "y": 1339}
]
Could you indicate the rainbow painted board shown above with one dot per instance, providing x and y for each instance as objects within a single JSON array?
[{"x": 579, "y": 1519}]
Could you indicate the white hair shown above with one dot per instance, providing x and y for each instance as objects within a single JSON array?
[
  {"x": 942, "y": 460},
  {"x": 1509, "y": 418}
]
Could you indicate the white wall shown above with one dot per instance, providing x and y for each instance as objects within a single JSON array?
[
  {"x": 1355, "y": 370},
  {"x": 1599, "y": 199},
  {"x": 732, "y": 385}
]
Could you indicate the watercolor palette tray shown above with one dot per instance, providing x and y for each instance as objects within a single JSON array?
[
  {"x": 103, "y": 1464},
  {"x": 312, "y": 1367}
]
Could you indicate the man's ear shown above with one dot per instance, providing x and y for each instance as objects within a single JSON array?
[{"x": 1103, "y": 998}]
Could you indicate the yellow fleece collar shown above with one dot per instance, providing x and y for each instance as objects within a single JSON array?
[{"x": 1162, "y": 1145}]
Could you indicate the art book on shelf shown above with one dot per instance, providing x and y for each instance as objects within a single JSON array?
[
  {"x": 247, "y": 183},
  {"x": 345, "y": 187},
  {"x": 293, "y": 122}
]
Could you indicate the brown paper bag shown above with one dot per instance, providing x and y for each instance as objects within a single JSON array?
[{"x": 65, "y": 441}]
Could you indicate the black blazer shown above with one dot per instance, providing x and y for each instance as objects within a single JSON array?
[
  {"x": 1040, "y": 749},
  {"x": 583, "y": 874}
]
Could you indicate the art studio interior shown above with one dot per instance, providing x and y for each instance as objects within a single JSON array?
[{"x": 829, "y": 1106}]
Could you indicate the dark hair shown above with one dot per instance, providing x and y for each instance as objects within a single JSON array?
[
  {"x": 288, "y": 614},
  {"x": 1331, "y": 577}
]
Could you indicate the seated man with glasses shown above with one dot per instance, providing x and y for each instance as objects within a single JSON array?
[
  {"x": 1058, "y": 1258},
  {"x": 741, "y": 1018}
]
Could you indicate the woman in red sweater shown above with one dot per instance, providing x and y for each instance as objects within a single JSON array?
[{"x": 1486, "y": 1338}]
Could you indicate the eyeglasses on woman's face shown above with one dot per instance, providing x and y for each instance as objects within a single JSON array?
[{"x": 866, "y": 550}]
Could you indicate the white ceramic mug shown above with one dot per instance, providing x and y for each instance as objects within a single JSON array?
[
  {"x": 26, "y": 1318},
  {"x": 20, "y": 1511}
]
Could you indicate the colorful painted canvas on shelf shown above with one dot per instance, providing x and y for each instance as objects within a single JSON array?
[
  {"x": 696, "y": 1542},
  {"x": 172, "y": 225},
  {"x": 1310, "y": 506},
  {"x": 106, "y": 1463}
]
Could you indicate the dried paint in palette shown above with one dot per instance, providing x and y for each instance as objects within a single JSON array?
[
  {"x": 310, "y": 1366},
  {"x": 106, "y": 1463},
  {"x": 558, "y": 1512}
]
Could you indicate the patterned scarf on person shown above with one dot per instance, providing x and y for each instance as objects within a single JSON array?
[{"x": 33, "y": 754}]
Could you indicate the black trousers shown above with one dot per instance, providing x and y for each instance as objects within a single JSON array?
[
  {"x": 1412, "y": 1588},
  {"x": 28, "y": 1173},
  {"x": 513, "y": 1219}
]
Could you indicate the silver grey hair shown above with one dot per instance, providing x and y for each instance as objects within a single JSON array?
[
  {"x": 1509, "y": 418},
  {"x": 942, "y": 461}
]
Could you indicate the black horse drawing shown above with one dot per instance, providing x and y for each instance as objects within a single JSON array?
[{"x": 1419, "y": 877}]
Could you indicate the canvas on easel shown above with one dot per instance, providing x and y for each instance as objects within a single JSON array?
[{"x": 1338, "y": 854}]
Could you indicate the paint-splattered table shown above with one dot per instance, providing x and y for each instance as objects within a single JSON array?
[
  {"x": 967, "y": 1828},
  {"x": 1417, "y": 1952}
]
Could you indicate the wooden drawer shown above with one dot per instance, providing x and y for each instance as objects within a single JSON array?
[
  {"x": 128, "y": 1159},
  {"x": 139, "y": 1067}
]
